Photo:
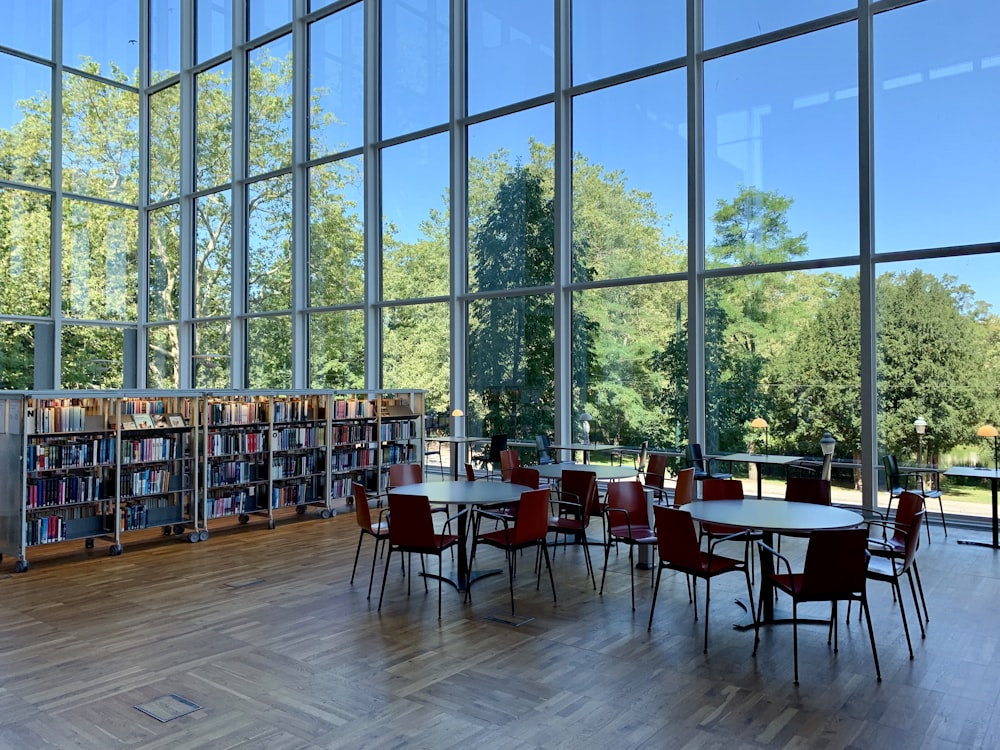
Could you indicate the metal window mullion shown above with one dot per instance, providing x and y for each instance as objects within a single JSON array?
[
  {"x": 300, "y": 197},
  {"x": 55, "y": 235},
  {"x": 186, "y": 81},
  {"x": 371, "y": 189},
  {"x": 239, "y": 288},
  {"x": 563, "y": 240},
  {"x": 459, "y": 214},
  {"x": 142, "y": 246},
  {"x": 696, "y": 224},
  {"x": 867, "y": 272}
]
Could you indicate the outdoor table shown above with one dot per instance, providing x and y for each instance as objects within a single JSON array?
[
  {"x": 454, "y": 442},
  {"x": 994, "y": 476},
  {"x": 758, "y": 460},
  {"x": 586, "y": 448}
]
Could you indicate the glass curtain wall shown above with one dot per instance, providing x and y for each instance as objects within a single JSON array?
[{"x": 535, "y": 209}]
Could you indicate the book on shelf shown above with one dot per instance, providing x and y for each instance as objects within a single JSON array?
[{"x": 143, "y": 421}]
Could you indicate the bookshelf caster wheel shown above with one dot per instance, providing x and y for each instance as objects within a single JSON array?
[
  {"x": 21, "y": 566},
  {"x": 270, "y": 523},
  {"x": 203, "y": 536},
  {"x": 167, "y": 531},
  {"x": 300, "y": 510},
  {"x": 88, "y": 543},
  {"x": 324, "y": 513},
  {"x": 194, "y": 536},
  {"x": 244, "y": 518},
  {"x": 114, "y": 550},
  {"x": 178, "y": 529}
]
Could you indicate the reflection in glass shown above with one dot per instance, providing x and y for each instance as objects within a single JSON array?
[
  {"x": 269, "y": 244},
  {"x": 212, "y": 354},
  {"x": 781, "y": 135},
  {"x": 92, "y": 357},
  {"x": 415, "y": 227},
  {"x": 630, "y": 363},
  {"x": 270, "y": 106},
  {"x": 336, "y": 233},
  {"x": 102, "y": 38},
  {"x": 164, "y": 39},
  {"x": 214, "y": 24},
  {"x": 610, "y": 38},
  {"x": 99, "y": 261},
  {"x": 213, "y": 255},
  {"x": 732, "y": 20},
  {"x": 937, "y": 105},
  {"x": 27, "y": 26},
  {"x": 510, "y": 366},
  {"x": 25, "y": 226},
  {"x": 510, "y": 50},
  {"x": 415, "y": 349},
  {"x": 266, "y": 15},
  {"x": 511, "y": 193},
  {"x": 26, "y": 104},
  {"x": 18, "y": 371},
  {"x": 165, "y": 144},
  {"x": 100, "y": 140},
  {"x": 165, "y": 263},
  {"x": 163, "y": 357},
  {"x": 337, "y": 349},
  {"x": 336, "y": 81},
  {"x": 213, "y": 126},
  {"x": 414, "y": 65},
  {"x": 269, "y": 359},
  {"x": 630, "y": 197}
]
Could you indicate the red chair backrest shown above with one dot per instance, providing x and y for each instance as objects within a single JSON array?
[
  {"x": 656, "y": 470},
  {"x": 410, "y": 523},
  {"x": 401, "y": 475},
  {"x": 808, "y": 490},
  {"x": 362, "y": 512},
  {"x": 531, "y": 522},
  {"x": 684, "y": 491},
  {"x": 509, "y": 460},
  {"x": 630, "y": 497},
  {"x": 525, "y": 476},
  {"x": 836, "y": 563},
  {"x": 722, "y": 489},
  {"x": 470, "y": 473},
  {"x": 582, "y": 485},
  {"x": 676, "y": 537},
  {"x": 909, "y": 518}
]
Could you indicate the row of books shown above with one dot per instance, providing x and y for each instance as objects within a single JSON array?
[
  {"x": 290, "y": 494},
  {"x": 296, "y": 410},
  {"x": 235, "y": 472},
  {"x": 151, "y": 449},
  {"x": 244, "y": 501},
  {"x": 48, "y": 492},
  {"x": 398, "y": 454},
  {"x": 356, "y": 459},
  {"x": 52, "y": 416},
  {"x": 237, "y": 413},
  {"x": 74, "y": 454},
  {"x": 396, "y": 431},
  {"x": 145, "y": 482},
  {"x": 299, "y": 437},
  {"x": 348, "y": 434},
  {"x": 351, "y": 408},
  {"x": 233, "y": 443},
  {"x": 283, "y": 467},
  {"x": 45, "y": 529}
]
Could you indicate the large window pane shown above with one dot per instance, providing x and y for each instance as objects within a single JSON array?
[
  {"x": 214, "y": 24},
  {"x": 938, "y": 359},
  {"x": 269, "y": 359},
  {"x": 25, "y": 226},
  {"x": 27, "y": 26},
  {"x": 102, "y": 37},
  {"x": 270, "y": 106},
  {"x": 265, "y": 15},
  {"x": 212, "y": 357},
  {"x": 17, "y": 356},
  {"x": 510, "y": 367},
  {"x": 213, "y": 261},
  {"x": 336, "y": 81},
  {"x": 511, "y": 193},
  {"x": 414, "y": 65},
  {"x": 630, "y": 364},
  {"x": 163, "y": 370},
  {"x": 610, "y": 38},
  {"x": 415, "y": 219},
  {"x": 269, "y": 251},
  {"x": 781, "y": 129},
  {"x": 26, "y": 121},
  {"x": 92, "y": 357},
  {"x": 415, "y": 349},
  {"x": 630, "y": 196},
  {"x": 337, "y": 349},
  {"x": 165, "y": 144},
  {"x": 100, "y": 127},
  {"x": 213, "y": 126},
  {"x": 165, "y": 263},
  {"x": 164, "y": 39},
  {"x": 336, "y": 233},
  {"x": 937, "y": 138},
  {"x": 731, "y": 20},
  {"x": 99, "y": 261},
  {"x": 510, "y": 52}
]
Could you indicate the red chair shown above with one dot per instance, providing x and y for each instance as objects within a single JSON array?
[
  {"x": 527, "y": 528},
  {"x": 378, "y": 531},
  {"x": 806, "y": 490},
  {"x": 835, "y": 570},
  {"x": 526, "y": 476},
  {"x": 684, "y": 488},
  {"x": 680, "y": 550},
  {"x": 628, "y": 523},
  {"x": 470, "y": 473},
  {"x": 576, "y": 503},
  {"x": 509, "y": 460},
  {"x": 411, "y": 529},
  {"x": 655, "y": 476},
  {"x": 726, "y": 489}
]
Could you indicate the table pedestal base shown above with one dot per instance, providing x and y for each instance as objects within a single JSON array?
[
  {"x": 454, "y": 580},
  {"x": 777, "y": 617},
  {"x": 514, "y": 620},
  {"x": 977, "y": 543}
]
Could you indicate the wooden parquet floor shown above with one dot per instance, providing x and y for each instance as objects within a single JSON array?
[{"x": 262, "y": 629}]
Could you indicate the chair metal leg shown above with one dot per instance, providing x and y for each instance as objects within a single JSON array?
[
  {"x": 795, "y": 637},
  {"x": 920, "y": 588},
  {"x": 902, "y": 613},
  {"x": 916, "y": 604},
  {"x": 385, "y": 574},
  {"x": 871, "y": 636},
  {"x": 371, "y": 575},
  {"x": 357, "y": 553},
  {"x": 708, "y": 597},
  {"x": 652, "y": 604}
]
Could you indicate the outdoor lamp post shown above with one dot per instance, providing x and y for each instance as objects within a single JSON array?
[
  {"x": 827, "y": 443},
  {"x": 989, "y": 431},
  {"x": 761, "y": 424},
  {"x": 585, "y": 420},
  {"x": 920, "y": 426}
]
